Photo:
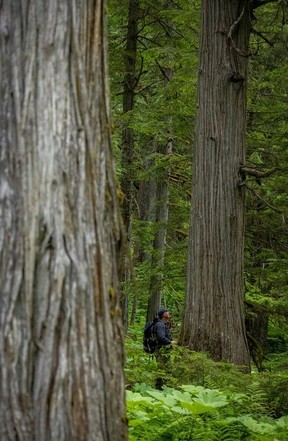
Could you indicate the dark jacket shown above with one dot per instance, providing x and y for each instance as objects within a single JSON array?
[{"x": 162, "y": 333}]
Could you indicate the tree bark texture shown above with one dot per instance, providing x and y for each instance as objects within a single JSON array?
[
  {"x": 214, "y": 317},
  {"x": 127, "y": 147},
  {"x": 159, "y": 243},
  {"x": 61, "y": 352}
]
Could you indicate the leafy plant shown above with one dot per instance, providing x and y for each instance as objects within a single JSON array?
[
  {"x": 196, "y": 413},
  {"x": 263, "y": 394}
]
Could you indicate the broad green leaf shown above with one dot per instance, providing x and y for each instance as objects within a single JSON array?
[
  {"x": 212, "y": 398},
  {"x": 181, "y": 396},
  {"x": 135, "y": 396},
  {"x": 196, "y": 408},
  {"x": 180, "y": 410},
  {"x": 257, "y": 427},
  {"x": 169, "y": 400},
  {"x": 192, "y": 389}
]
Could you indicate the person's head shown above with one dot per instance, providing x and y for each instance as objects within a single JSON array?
[{"x": 164, "y": 314}]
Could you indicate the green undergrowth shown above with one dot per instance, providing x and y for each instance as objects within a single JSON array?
[
  {"x": 201, "y": 399},
  {"x": 197, "y": 413}
]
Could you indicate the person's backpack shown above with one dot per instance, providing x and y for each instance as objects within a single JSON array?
[{"x": 149, "y": 338}]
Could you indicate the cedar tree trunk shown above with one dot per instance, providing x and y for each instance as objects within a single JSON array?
[
  {"x": 61, "y": 352},
  {"x": 214, "y": 315}
]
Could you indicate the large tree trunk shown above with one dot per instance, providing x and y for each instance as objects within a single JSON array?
[
  {"x": 61, "y": 351},
  {"x": 214, "y": 317}
]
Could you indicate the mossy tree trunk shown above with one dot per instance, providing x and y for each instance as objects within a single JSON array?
[{"x": 61, "y": 351}]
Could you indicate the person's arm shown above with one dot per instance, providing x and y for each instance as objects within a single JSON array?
[{"x": 160, "y": 333}]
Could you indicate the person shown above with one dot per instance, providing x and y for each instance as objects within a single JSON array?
[
  {"x": 164, "y": 344},
  {"x": 163, "y": 336},
  {"x": 162, "y": 330}
]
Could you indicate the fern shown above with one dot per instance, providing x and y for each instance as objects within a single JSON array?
[
  {"x": 196, "y": 413},
  {"x": 231, "y": 431},
  {"x": 256, "y": 400}
]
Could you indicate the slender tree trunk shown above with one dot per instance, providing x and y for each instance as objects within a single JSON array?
[
  {"x": 128, "y": 142},
  {"x": 161, "y": 218},
  {"x": 157, "y": 261},
  {"x": 214, "y": 317},
  {"x": 61, "y": 348},
  {"x": 146, "y": 214}
]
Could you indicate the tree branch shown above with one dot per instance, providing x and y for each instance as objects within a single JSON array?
[
  {"x": 164, "y": 71},
  {"x": 244, "y": 170},
  {"x": 236, "y": 22},
  {"x": 259, "y": 197},
  {"x": 262, "y": 36},
  {"x": 140, "y": 74}
]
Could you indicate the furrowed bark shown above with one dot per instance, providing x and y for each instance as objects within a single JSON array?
[
  {"x": 214, "y": 315},
  {"x": 60, "y": 233}
]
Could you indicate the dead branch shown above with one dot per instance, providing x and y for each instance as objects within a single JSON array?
[
  {"x": 234, "y": 25},
  {"x": 181, "y": 233},
  {"x": 244, "y": 170}
]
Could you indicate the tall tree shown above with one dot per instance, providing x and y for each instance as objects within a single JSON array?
[
  {"x": 61, "y": 354},
  {"x": 162, "y": 49},
  {"x": 214, "y": 314},
  {"x": 162, "y": 207},
  {"x": 127, "y": 145},
  {"x": 159, "y": 242}
]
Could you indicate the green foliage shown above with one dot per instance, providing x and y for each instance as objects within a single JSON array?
[
  {"x": 168, "y": 42},
  {"x": 267, "y": 135},
  {"x": 168, "y": 39},
  {"x": 260, "y": 394},
  {"x": 196, "y": 413}
]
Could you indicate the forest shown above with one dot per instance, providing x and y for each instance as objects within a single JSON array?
[
  {"x": 143, "y": 161},
  {"x": 170, "y": 110}
]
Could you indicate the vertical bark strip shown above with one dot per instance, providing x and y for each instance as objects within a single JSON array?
[
  {"x": 214, "y": 319},
  {"x": 161, "y": 212},
  {"x": 127, "y": 145},
  {"x": 61, "y": 352}
]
